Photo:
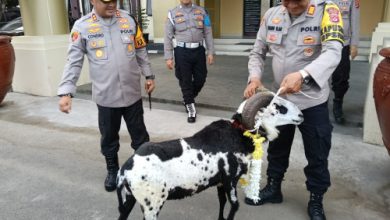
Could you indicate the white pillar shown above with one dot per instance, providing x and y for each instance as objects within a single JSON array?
[{"x": 41, "y": 54}]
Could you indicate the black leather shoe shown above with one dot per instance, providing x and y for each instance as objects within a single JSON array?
[
  {"x": 315, "y": 209},
  {"x": 338, "y": 111},
  {"x": 271, "y": 193},
  {"x": 191, "y": 112},
  {"x": 112, "y": 171},
  {"x": 110, "y": 182}
]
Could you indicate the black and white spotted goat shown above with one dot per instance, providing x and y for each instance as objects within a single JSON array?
[{"x": 215, "y": 156}]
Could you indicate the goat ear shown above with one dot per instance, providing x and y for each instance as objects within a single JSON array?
[{"x": 253, "y": 105}]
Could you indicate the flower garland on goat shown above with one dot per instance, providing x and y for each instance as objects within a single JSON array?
[{"x": 251, "y": 181}]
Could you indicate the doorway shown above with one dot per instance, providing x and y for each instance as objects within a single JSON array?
[{"x": 213, "y": 7}]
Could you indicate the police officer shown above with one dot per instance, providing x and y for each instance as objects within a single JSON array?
[
  {"x": 115, "y": 48},
  {"x": 351, "y": 14},
  {"x": 305, "y": 38},
  {"x": 189, "y": 24}
]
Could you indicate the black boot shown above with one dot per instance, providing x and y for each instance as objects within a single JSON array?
[
  {"x": 191, "y": 110},
  {"x": 315, "y": 208},
  {"x": 112, "y": 168},
  {"x": 271, "y": 193},
  {"x": 338, "y": 110}
]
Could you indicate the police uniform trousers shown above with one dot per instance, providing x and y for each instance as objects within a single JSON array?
[
  {"x": 340, "y": 76},
  {"x": 316, "y": 131},
  {"x": 191, "y": 71},
  {"x": 110, "y": 123}
]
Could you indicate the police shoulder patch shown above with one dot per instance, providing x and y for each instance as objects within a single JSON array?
[{"x": 332, "y": 24}]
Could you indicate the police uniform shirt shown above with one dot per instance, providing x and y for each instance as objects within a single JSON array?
[
  {"x": 117, "y": 57},
  {"x": 350, "y": 11},
  {"x": 313, "y": 42},
  {"x": 187, "y": 24}
]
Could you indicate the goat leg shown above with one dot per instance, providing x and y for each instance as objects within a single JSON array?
[
  {"x": 126, "y": 208},
  {"x": 231, "y": 191},
  {"x": 222, "y": 201}
]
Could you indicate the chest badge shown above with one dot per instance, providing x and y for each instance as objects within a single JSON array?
[
  {"x": 309, "y": 40},
  {"x": 272, "y": 37},
  {"x": 308, "y": 52},
  {"x": 276, "y": 21},
  {"x": 99, "y": 53}
]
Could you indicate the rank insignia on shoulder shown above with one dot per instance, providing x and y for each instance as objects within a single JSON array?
[{"x": 311, "y": 10}]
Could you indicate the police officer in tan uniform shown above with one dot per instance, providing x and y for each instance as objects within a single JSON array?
[
  {"x": 190, "y": 25},
  {"x": 305, "y": 38},
  {"x": 115, "y": 48},
  {"x": 350, "y": 11}
]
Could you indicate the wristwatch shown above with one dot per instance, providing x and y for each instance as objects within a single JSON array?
[
  {"x": 150, "y": 77},
  {"x": 305, "y": 76}
]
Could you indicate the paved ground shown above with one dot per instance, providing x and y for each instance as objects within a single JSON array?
[{"x": 51, "y": 168}]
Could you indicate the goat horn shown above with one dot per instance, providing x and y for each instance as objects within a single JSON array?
[{"x": 259, "y": 100}]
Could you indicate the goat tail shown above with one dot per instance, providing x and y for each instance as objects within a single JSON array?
[{"x": 127, "y": 204}]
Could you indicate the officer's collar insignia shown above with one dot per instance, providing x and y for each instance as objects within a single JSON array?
[
  {"x": 118, "y": 14},
  {"x": 123, "y": 20},
  {"x": 94, "y": 17},
  {"x": 276, "y": 21},
  {"x": 311, "y": 10}
]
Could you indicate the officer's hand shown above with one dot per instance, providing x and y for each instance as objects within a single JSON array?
[
  {"x": 169, "y": 63},
  {"x": 251, "y": 87},
  {"x": 210, "y": 59},
  {"x": 65, "y": 104},
  {"x": 353, "y": 51},
  {"x": 149, "y": 86},
  {"x": 291, "y": 83}
]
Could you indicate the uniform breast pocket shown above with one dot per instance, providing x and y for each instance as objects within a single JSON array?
[
  {"x": 98, "y": 49},
  {"x": 180, "y": 24},
  {"x": 128, "y": 41},
  {"x": 198, "y": 20},
  {"x": 274, "y": 37}
]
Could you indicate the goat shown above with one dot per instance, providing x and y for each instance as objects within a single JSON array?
[{"x": 218, "y": 155}]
